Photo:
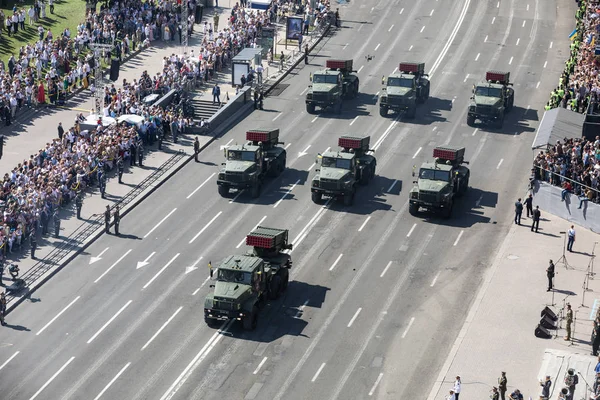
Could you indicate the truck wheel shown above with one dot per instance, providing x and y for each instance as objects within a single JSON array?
[
  {"x": 338, "y": 108},
  {"x": 317, "y": 197},
  {"x": 256, "y": 190},
  {"x": 223, "y": 190},
  {"x": 427, "y": 92},
  {"x": 283, "y": 163},
  {"x": 372, "y": 176},
  {"x": 466, "y": 185},
  {"x": 365, "y": 175},
  {"x": 448, "y": 211},
  {"x": 511, "y": 102},
  {"x": 411, "y": 112},
  {"x": 500, "y": 121},
  {"x": 310, "y": 108},
  {"x": 250, "y": 321},
  {"x": 285, "y": 279},
  {"x": 349, "y": 199},
  {"x": 211, "y": 322},
  {"x": 275, "y": 287},
  {"x": 355, "y": 92},
  {"x": 413, "y": 209},
  {"x": 383, "y": 111},
  {"x": 470, "y": 120}
]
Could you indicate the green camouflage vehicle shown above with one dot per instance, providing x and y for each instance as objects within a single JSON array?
[
  {"x": 248, "y": 164},
  {"x": 244, "y": 282},
  {"x": 341, "y": 171},
  {"x": 330, "y": 86},
  {"x": 491, "y": 99},
  {"x": 440, "y": 181},
  {"x": 404, "y": 90}
]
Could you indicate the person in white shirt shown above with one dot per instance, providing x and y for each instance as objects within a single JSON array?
[
  {"x": 457, "y": 384},
  {"x": 451, "y": 396},
  {"x": 571, "y": 235}
]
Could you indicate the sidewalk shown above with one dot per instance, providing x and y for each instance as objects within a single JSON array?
[
  {"x": 499, "y": 331},
  {"x": 27, "y": 137}
]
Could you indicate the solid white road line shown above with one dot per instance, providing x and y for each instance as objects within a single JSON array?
[
  {"x": 493, "y": 20},
  {"x": 458, "y": 238},
  {"x": 537, "y": 85},
  {"x": 392, "y": 185},
  {"x": 314, "y": 119},
  {"x": 434, "y": 279},
  {"x": 161, "y": 221},
  {"x": 475, "y": 131},
  {"x": 301, "y": 309},
  {"x": 335, "y": 262},
  {"x": 255, "y": 226},
  {"x": 527, "y": 10},
  {"x": 364, "y": 223},
  {"x": 112, "y": 381},
  {"x": 310, "y": 223},
  {"x": 306, "y": 88},
  {"x": 385, "y": 134},
  {"x": 411, "y": 230},
  {"x": 343, "y": 48},
  {"x": 197, "y": 290},
  {"x": 205, "y": 227},
  {"x": 99, "y": 256},
  {"x": 417, "y": 152},
  {"x": 498, "y": 5},
  {"x": 286, "y": 193},
  {"x": 181, "y": 379},
  {"x": 545, "y": 64},
  {"x": 408, "y": 327},
  {"x": 385, "y": 269},
  {"x": 354, "y": 120},
  {"x": 354, "y": 317},
  {"x": 518, "y": 39},
  {"x": 277, "y": 116},
  {"x": 466, "y": 77},
  {"x": 318, "y": 372},
  {"x": 109, "y": 321},
  {"x": 431, "y": 13},
  {"x": 160, "y": 272},
  {"x": 401, "y": 11},
  {"x": 477, "y": 57},
  {"x": 453, "y": 34},
  {"x": 112, "y": 266},
  {"x": 525, "y": 21},
  {"x": 287, "y": 145},
  {"x": 486, "y": 38},
  {"x": 410, "y": 48},
  {"x": 57, "y": 315},
  {"x": 500, "y": 163},
  {"x": 360, "y": 69},
  {"x": 161, "y": 328},
  {"x": 422, "y": 29},
  {"x": 376, "y": 47},
  {"x": 551, "y": 44},
  {"x": 49, "y": 381},
  {"x": 260, "y": 365},
  {"x": 391, "y": 27},
  {"x": 376, "y": 383},
  {"x": 510, "y": 61},
  {"x": 236, "y": 196},
  {"x": 7, "y": 361},
  {"x": 202, "y": 184}
]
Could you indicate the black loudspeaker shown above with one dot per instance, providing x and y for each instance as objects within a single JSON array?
[
  {"x": 548, "y": 312},
  {"x": 547, "y": 322},
  {"x": 542, "y": 333},
  {"x": 114, "y": 70}
]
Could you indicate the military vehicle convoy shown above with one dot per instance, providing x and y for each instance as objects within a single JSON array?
[
  {"x": 404, "y": 89},
  {"x": 491, "y": 99},
  {"x": 244, "y": 282},
  {"x": 331, "y": 86},
  {"x": 248, "y": 164},
  {"x": 440, "y": 181},
  {"x": 342, "y": 170}
]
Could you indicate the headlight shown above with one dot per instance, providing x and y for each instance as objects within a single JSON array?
[
  {"x": 348, "y": 183},
  {"x": 471, "y": 108},
  {"x": 414, "y": 195},
  {"x": 315, "y": 183},
  {"x": 384, "y": 99},
  {"x": 309, "y": 95},
  {"x": 239, "y": 306},
  {"x": 221, "y": 175}
]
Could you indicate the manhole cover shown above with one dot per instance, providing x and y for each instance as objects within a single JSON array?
[{"x": 277, "y": 90}]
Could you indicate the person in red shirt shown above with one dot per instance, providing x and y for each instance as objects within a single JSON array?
[{"x": 567, "y": 188}]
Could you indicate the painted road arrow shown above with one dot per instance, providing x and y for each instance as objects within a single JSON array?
[
  {"x": 193, "y": 267},
  {"x": 141, "y": 264},
  {"x": 99, "y": 257},
  {"x": 303, "y": 153}
]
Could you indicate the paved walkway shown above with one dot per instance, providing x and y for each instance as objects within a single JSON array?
[
  {"x": 499, "y": 331},
  {"x": 30, "y": 132}
]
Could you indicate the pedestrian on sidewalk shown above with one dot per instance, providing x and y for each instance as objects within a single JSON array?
[
  {"x": 79, "y": 203},
  {"x": 107, "y": 219},
  {"x": 216, "y": 92},
  {"x": 545, "y": 388},
  {"x": 569, "y": 321},
  {"x": 537, "y": 214},
  {"x": 121, "y": 168},
  {"x": 56, "y": 222},
  {"x": 571, "y": 238},
  {"x": 529, "y": 204},
  {"x": 550, "y": 275},
  {"x": 457, "y": 384},
  {"x": 33, "y": 243},
  {"x": 61, "y": 131},
  {"x": 196, "y": 149},
  {"x": 140, "y": 152},
  {"x": 117, "y": 220},
  {"x": 518, "y": 211}
]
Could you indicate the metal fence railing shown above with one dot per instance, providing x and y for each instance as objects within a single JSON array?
[{"x": 555, "y": 179}]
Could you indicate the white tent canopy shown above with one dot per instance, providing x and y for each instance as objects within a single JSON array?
[{"x": 131, "y": 119}]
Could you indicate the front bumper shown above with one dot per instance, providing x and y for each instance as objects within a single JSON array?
[
  {"x": 396, "y": 107},
  {"x": 434, "y": 207},
  {"x": 223, "y": 315},
  {"x": 484, "y": 117},
  {"x": 329, "y": 192},
  {"x": 238, "y": 185}
]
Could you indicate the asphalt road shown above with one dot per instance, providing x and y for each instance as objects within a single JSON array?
[{"x": 377, "y": 296}]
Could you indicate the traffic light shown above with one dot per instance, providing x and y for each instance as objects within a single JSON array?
[{"x": 1, "y": 145}]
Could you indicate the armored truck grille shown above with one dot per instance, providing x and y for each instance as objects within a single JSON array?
[
  {"x": 428, "y": 197},
  {"x": 234, "y": 176},
  {"x": 329, "y": 184},
  {"x": 224, "y": 305},
  {"x": 395, "y": 100},
  {"x": 320, "y": 96},
  {"x": 484, "y": 110}
]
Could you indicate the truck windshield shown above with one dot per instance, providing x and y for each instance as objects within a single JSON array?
[
  {"x": 336, "y": 163},
  {"x": 401, "y": 82},
  {"x": 434, "y": 175},
  {"x": 226, "y": 275},
  {"x": 241, "y": 155},
  {"x": 488, "y": 91},
  {"x": 325, "y": 79}
]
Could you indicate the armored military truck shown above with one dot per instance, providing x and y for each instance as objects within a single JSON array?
[
  {"x": 404, "y": 89},
  {"x": 491, "y": 99},
  {"x": 341, "y": 171},
  {"x": 331, "y": 85},
  {"x": 440, "y": 181},
  {"x": 248, "y": 164},
  {"x": 244, "y": 282}
]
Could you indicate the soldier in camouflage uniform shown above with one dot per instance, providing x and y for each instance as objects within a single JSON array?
[{"x": 569, "y": 321}]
